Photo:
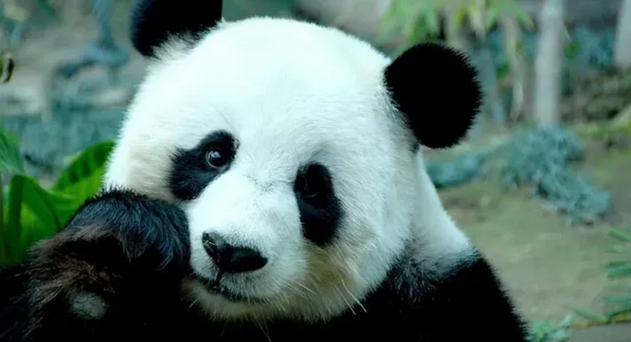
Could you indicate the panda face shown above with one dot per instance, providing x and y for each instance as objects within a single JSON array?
[
  {"x": 295, "y": 166},
  {"x": 287, "y": 161}
]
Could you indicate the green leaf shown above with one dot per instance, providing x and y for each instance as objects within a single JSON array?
[
  {"x": 592, "y": 315},
  {"x": 524, "y": 18},
  {"x": 459, "y": 14},
  {"x": 616, "y": 249},
  {"x": 492, "y": 16},
  {"x": 617, "y": 263},
  {"x": 85, "y": 188},
  {"x": 37, "y": 199},
  {"x": 620, "y": 235},
  {"x": 512, "y": 8},
  {"x": 572, "y": 49},
  {"x": 12, "y": 227},
  {"x": 85, "y": 171},
  {"x": 619, "y": 271},
  {"x": 432, "y": 20},
  {"x": 10, "y": 157},
  {"x": 3, "y": 235},
  {"x": 619, "y": 300},
  {"x": 34, "y": 212}
]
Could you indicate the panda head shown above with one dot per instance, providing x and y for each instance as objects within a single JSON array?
[{"x": 291, "y": 146}]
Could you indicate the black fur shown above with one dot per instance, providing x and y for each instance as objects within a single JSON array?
[
  {"x": 320, "y": 209},
  {"x": 153, "y": 22},
  {"x": 436, "y": 89},
  {"x": 129, "y": 250},
  {"x": 143, "y": 224},
  {"x": 190, "y": 173}
]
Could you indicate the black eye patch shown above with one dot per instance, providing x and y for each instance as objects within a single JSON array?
[
  {"x": 320, "y": 209},
  {"x": 193, "y": 169}
]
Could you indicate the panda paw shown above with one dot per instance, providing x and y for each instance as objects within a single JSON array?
[
  {"x": 118, "y": 239},
  {"x": 115, "y": 256},
  {"x": 89, "y": 306}
]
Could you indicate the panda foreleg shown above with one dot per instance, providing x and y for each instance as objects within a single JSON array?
[{"x": 113, "y": 272}]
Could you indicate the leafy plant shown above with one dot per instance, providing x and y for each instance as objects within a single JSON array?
[
  {"x": 84, "y": 173},
  {"x": 31, "y": 212},
  {"x": 466, "y": 25},
  {"x": 421, "y": 20},
  {"x": 618, "y": 302},
  {"x": 551, "y": 331}
]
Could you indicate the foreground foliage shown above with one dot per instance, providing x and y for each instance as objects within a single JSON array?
[
  {"x": 552, "y": 331},
  {"x": 32, "y": 212},
  {"x": 617, "y": 302}
]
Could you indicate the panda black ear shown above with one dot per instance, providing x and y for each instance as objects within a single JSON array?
[
  {"x": 436, "y": 88},
  {"x": 153, "y": 22}
]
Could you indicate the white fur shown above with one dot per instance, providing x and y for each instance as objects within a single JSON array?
[{"x": 291, "y": 93}]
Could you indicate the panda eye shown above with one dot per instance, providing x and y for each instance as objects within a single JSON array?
[
  {"x": 305, "y": 187},
  {"x": 312, "y": 182},
  {"x": 215, "y": 158}
]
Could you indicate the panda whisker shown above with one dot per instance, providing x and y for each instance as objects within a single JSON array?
[
  {"x": 337, "y": 253},
  {"x": 263, "y": 328},
  {"x": 351, "y": 294},
  {"x": 280, "y": 305},
  {"x": 303, "y": 286},
  {"x": 293, "y": 289},
  {"x": 286, "y": 297},
  {"x": 350, "y": 307},
  {"x": 223, "y": 331},
  {"x": 275, "y": 303},
  {"x": 193, "y": 303}
]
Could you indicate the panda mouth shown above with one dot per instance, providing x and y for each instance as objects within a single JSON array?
[
  {"x": 226, "y": 293},
  {"x": 215, "y": 287}
]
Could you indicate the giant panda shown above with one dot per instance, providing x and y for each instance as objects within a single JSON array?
[{"x": 268, "y": 184}]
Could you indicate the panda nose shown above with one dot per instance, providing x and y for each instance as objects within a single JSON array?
[{"x": 230, "y": 258}]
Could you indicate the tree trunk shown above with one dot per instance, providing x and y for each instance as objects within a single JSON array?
[
  {"x": 622, "y": 48},
  {"x": 490, "y": 83},
  {"x": 549, "y": 64},
  {"x": 517, "y": 64}
]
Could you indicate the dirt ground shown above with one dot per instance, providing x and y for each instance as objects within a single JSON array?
[{"x": 550, "y": 268}]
